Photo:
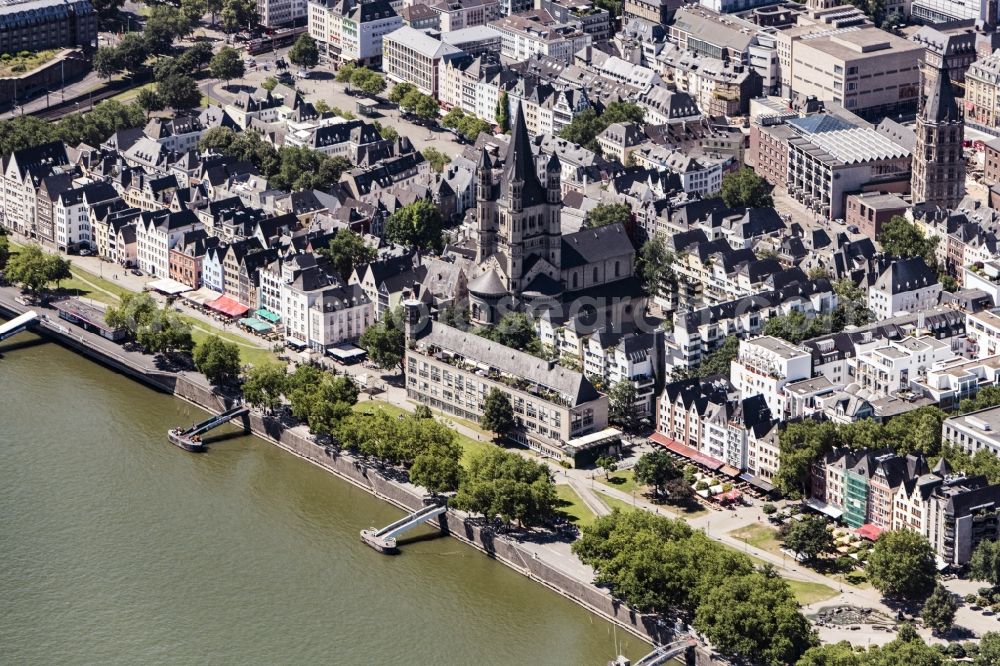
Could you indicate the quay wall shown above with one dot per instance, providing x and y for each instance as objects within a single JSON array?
[{"x": 193, "y": 388}]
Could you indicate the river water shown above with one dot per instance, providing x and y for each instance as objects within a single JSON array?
[{"x": 118, "y": 548}]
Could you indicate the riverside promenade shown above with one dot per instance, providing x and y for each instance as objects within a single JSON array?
[{"x": 565, "y": 575}]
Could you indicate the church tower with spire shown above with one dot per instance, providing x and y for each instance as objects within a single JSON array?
[
  {"x": 518, "y": 227},
  {"x": 938, "y": 174}
]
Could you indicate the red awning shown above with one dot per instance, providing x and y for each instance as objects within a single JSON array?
[
  {"x": 869, "y": 531},
  {"x": 730, "y": 496},
  {"x": 228, "y": 306},
  {"x": 692, "y": 454}
]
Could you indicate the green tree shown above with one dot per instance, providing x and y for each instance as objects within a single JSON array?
[
  {"x": 369, "y": 82},
  {"x": 400, "y": 91},
  {"x": 809, "y": 537},
  {"x": 384, "y": 341},
  {"x": 194, "y": 9},
  {"x": 218, "y": 360},
  {"x": 907, "y": 649},
  {"x": 622, "y": 400},
  {"x": 745, "y": 189},
  {"x": 346, "y": 72},
  {"x": 985, "y": 562},
  {"x": 34, "y": 270},
  {"x": 794, "y": 327},
  {"x": 435, "y": 158},
  {"x": 132, "y": 51},
  {"x": 755, "y": 617},
  {"x": 416, "y": 225},
  {"x": 517, "y": 331},
  {"x": 901, "y": 565},
  {"x": 163, "y": 25},
  {"x": 346, "y": 251},
  {"x": 939, "y": 610},
  {"x": 799, "y": 445},
  {"x": 504, "y": 485},
  {"x": 437, "y": 470},
  {"x": 656, "y": 469},
  {"x": 132, "y": 313},
  {"x": 197, "y": 57},
  {"x": 106, "y": 62},
  {"x": 902, "y": 238},
  {"x": 989, "y": 650},
  {"x": 654, "y": 265},
  {"x": 503, "y": 112},
  {"x": 179, "y": 92},
  {"x": 4, "y": 251},
  {"x": 498, "y": 415},
  {"x": 304, "y": 52},
  {"x": 837, "y": 654},
  {"x": 604, "y": 214},
  {"x": 608, "y": 464},
  {"x": 585, "y": 126},
  {"x": 164, "y": 332},
  {"x": 107, "y": 10},
  {"x": 237, "y": 15},
  {"x": 149, "y": 100},
  {"x": 717, "y": 362},
  {"x": 264, "y": 385},
  {"x": 227, "y": 65},
  {"x": 427, "y": 108},
  {"x": 852, "y": 306}
]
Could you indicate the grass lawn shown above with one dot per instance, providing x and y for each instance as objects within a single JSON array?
[
  {"x": 570, "y": 505},
  {"x": 811, "y": 593},
  {"x": 200, "y": 331},
  {"x": 469, "y": 445},
  {"x": 624, "y": 481},
  {"x": 615, "y": 503},
  {"x": 129, "y": 95},
  {"x": 13, "y": 65},
  {"x": 759, "y": 536}
]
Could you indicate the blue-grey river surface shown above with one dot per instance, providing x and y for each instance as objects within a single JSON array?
[{"x": 118, "y": 548}]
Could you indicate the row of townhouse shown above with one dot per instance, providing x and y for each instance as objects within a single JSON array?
[
  {"x": 706, "y": 420},
  {"x": 886, "y": 491}
]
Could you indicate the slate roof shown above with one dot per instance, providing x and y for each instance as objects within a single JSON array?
[
  {"x": 571, "y": 384},
  {"x": 588, "y": 246},
  {"x": 519, "y": 165},
  {"x": 905, "y": 275}
]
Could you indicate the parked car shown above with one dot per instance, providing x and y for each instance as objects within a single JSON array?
[
  {"x": 303, "y": 74},
  {"x": 84, "y": 252},
  {"x": 137, "y": 272}
]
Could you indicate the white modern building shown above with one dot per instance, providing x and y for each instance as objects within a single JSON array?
[
  {"x": 412, "y": 56},
  {"x": 765, "y": 365}
]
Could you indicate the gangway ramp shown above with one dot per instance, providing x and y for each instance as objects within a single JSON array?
[
  {"x": 190, "y": 439},
  {"x": 17, "y": 324},
  {"x": 384, "y": 540}
]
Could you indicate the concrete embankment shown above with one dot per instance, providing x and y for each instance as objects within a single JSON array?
[{"x": 193, "y": 388}]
